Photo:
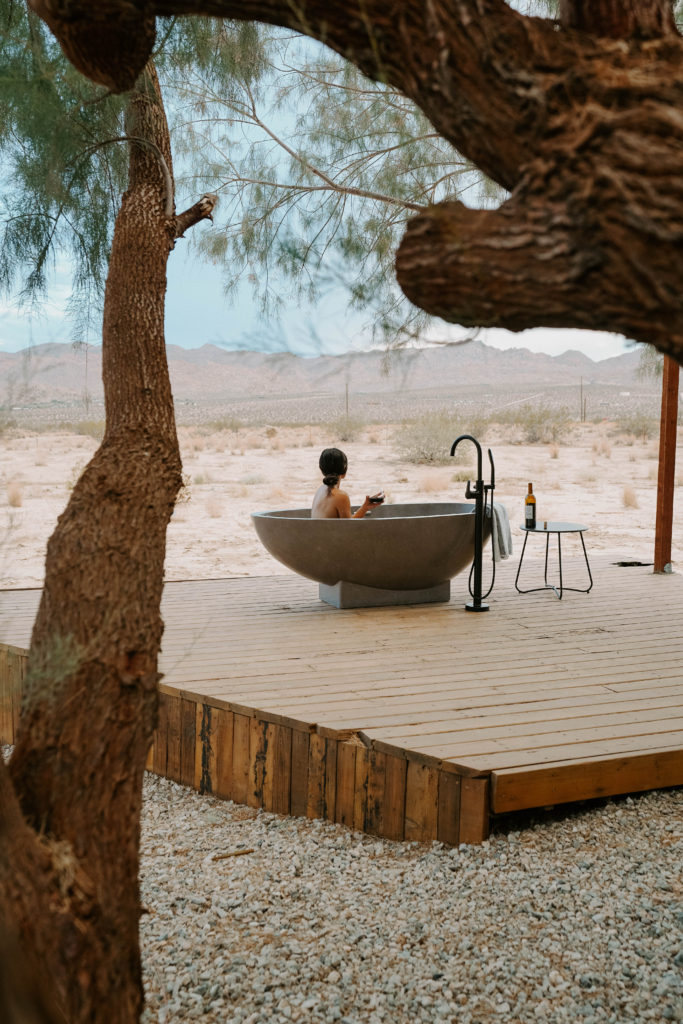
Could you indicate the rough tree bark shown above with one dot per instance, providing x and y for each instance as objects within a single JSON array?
[
  {"x": 582, "y": 121},
  {"x": 70, "y": 803}
]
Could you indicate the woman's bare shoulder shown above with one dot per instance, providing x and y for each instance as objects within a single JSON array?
[{"x": 343, "y": 505}]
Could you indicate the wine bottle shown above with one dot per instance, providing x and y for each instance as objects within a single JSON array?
[{"x": 530, "y": 510}]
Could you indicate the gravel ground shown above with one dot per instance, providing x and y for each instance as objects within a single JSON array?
[{"x": 257, "y": 918}]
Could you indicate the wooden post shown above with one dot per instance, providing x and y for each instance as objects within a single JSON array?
[{"x": 667, "y": 466}]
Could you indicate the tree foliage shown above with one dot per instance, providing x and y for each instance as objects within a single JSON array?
[
  {"x": 64, "y": 167},
  {"x": 61, "y": 186},
  {"x": 318, "y": 168}
]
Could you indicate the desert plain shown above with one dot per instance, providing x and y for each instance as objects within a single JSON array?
[
  {"x": 595, "y": 474},
  {"x": 252, "y": 425}
]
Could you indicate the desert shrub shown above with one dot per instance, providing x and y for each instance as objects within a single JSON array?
[
  {"x": 427, "y": 439},
  {"x": 226, "y": 423},
  {"x": 630, "y": 498},
  {"x": 90, "y": 428},
  {"x": 346, "y": 428},
  {"x": 6, "y": 421},
  {"x": 278, "y": 493},
  {"x": 433, "y": 482},
  {"x": 638, "y": 424},
  {"x": 214, "y": 507},
  {"x": 601, "y": 447},
  {"x": 15, "y": 496},
  {"x": 539, "y": 424}
]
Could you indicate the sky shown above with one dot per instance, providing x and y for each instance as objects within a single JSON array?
[{"x": 197, "y": 313}]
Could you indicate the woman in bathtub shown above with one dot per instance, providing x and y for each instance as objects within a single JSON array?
[{"x": 331, "y": 503}]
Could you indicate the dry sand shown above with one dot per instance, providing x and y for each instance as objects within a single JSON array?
[{"x": 605, "y": 481}]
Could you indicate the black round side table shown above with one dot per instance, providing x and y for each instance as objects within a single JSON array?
[{"x": 558, "y": 529}]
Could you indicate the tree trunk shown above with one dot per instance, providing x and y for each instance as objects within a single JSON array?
[{"x": 70, "y": 817}]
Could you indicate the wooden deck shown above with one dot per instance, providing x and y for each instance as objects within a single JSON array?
[{"x": 412, "y": 722}]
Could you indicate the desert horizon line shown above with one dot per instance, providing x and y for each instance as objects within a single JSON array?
[{"x": 412, "y": 349}]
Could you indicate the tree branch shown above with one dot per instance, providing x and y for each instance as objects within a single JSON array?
[
  {"x": 202, "y": 210},
  {"x": 594, "y": 250},
  {"x": 491, "y": 111},
  {"x": 114, "y": 39},
  {"x": 312, "y": 169}
]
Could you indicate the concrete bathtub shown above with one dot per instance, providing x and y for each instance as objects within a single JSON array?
[{"x": 399, "y": 554}]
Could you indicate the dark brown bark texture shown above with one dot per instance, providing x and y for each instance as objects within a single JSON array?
[
  {"x": 582, "y": 121},
  {"x": 70, "y": 803},
  {"x": 621, "y": 19}
]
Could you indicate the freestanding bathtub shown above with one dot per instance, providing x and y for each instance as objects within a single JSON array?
[{"x": 397, "y": 554}]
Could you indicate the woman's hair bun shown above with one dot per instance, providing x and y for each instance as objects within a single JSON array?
[{"x": 331, "y": 480}]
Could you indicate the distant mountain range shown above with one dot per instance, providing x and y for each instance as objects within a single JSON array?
[{"x": 64, "y": 374}]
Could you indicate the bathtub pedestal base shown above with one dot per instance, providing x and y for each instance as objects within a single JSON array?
[{"x": 353, "y": 595}]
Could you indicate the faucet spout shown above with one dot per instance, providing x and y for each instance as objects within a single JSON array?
[{"x": 468, "y": 437}]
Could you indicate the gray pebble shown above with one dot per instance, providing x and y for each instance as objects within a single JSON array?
[{"x": 570, "y": 920}]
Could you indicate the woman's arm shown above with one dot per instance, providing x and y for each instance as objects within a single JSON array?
[
  {"x": 343, "y": 506},
  {"x": 365, "y": 507}
]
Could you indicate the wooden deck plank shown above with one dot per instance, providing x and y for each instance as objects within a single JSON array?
[
  {"x": 442, "y": 689},
  {"x": 422, "y": 808},
  {"x": 448, "y": 813},
  {"x": 513, "y": 739},
  {"x": 223, "y": 722},
  {"x": 374, "y": 802},
  {"x": 587, "y": 672},
  {"x": 558, "y": 783},
  {"x": 299, "y": 781},
  {"x": 346, "y": 784},
  {"x": 488, "y": 701},
  {"x": 474, "y": 810},
  {"x": 573, "y": 754},
  {"x": 569, "y": 698},
  {"x": 394, "y": 798},
  {"x": 491, "y": 710},
  {"x": 534, "y": 728},
  {"x": 240, "y": 758}
]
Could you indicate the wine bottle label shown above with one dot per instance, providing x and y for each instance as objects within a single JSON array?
[{"x": 529, "y": 512}]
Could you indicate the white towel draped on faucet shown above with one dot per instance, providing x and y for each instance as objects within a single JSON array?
[{"x": 501, "y": 537}]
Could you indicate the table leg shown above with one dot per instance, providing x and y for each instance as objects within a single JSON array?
[
  {"x": 559, "y": 558},
  {"x": 585, "y": 555},
  {"x": 519, "y": 567}
]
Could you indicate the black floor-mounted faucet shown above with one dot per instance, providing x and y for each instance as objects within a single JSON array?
[{"x": 478, "y": 492}]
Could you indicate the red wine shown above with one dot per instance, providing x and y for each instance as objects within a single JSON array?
[{"x": 530, "y": 510}]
